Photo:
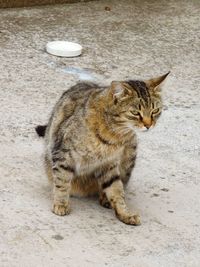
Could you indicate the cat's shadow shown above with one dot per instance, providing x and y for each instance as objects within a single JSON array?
[{"x": 80, "y": 203}]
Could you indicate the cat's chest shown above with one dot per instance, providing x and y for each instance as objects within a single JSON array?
[{"x": 96, "y": 159}]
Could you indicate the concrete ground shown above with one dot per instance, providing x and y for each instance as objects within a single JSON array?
[{"x": 136, "y": 39}]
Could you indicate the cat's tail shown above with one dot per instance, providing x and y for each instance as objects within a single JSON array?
[{"x": 40, "y": 130}]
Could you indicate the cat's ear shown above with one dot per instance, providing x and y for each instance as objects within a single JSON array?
[
  {"x": 155, "y": 84},
  {"x": 119, "y": 91}
]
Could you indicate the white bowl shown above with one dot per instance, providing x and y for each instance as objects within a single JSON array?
[{"x": 64, "y": 49}]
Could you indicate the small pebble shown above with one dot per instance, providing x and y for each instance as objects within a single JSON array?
[
  {"x": 58, "y": 237},
  {"x": 107, "y": 8},
  {"x": 155, "y": 195},
  {"x": 164, "y": 189}
]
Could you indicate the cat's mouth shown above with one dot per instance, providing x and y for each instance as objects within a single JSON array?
[
  {"x": 145, "y": 128},
  {"x": 141, "y": 127}
]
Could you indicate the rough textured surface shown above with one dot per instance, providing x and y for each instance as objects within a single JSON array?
[
  {"x": 25, "y": 3},
  {"x": 132, "y": 40}
]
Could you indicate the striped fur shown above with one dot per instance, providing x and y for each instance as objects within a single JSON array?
[{"x": 90, "y": 142}]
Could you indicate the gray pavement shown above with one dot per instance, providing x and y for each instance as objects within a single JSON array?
[{"x": 136, "y": 39}]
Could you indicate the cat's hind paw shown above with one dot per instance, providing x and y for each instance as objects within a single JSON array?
[
  {"x": 103, "y": 201},
  {"x": 106, "y": 205}
]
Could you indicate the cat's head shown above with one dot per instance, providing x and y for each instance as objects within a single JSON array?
[{"x": 137, "y": 103}]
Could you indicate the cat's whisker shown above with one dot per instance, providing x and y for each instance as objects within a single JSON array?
[{"x": 124, "y": 130}]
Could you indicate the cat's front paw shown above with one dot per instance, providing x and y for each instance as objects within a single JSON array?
[
  {"x": 130, "y": 219},
  {"x": 60, "y": 209}
]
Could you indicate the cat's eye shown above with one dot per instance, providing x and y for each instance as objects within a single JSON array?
[
  {"x": 135, "y": 113},
  {"x": 155, "y": 111}
]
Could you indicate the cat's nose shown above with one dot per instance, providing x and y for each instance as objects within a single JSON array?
[
  {"x": 147, "y": 126},
  {"x": 147, "y": 123}
]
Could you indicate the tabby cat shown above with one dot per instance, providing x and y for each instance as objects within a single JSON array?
[{"x": 91, "y": 145}]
